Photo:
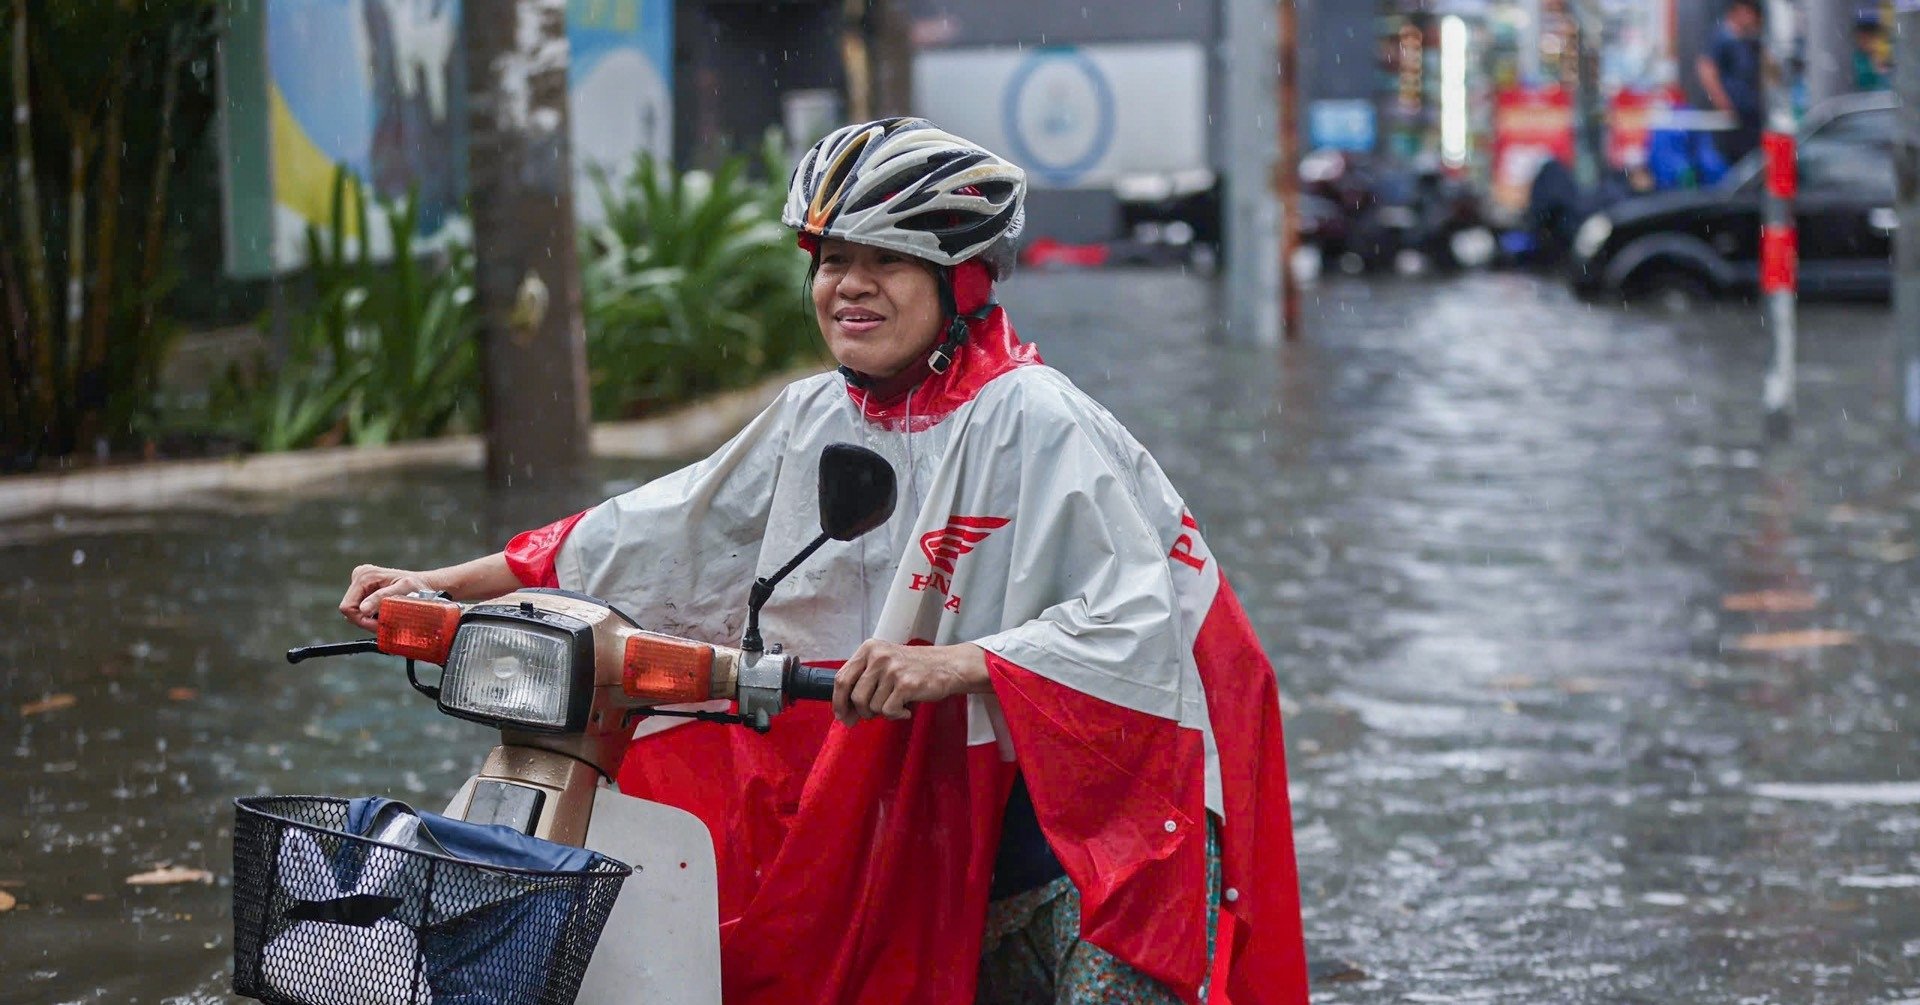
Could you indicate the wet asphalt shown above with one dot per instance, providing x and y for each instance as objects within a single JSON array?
[{"x": 1593, "y": 694}]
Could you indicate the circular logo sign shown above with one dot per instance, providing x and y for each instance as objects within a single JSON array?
[{"x": 1058, "y": 114}]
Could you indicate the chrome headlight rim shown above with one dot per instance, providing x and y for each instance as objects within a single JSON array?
[
  {"x": 579, "y": 634},
  {"x": 1592, "y": 235}
]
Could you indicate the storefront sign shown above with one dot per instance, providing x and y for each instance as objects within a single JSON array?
[
  {"x": 1531, "y": 125},
  {"x": 1341, "y": 125}
]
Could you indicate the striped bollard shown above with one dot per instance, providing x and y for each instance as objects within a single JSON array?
[
  {"x": 1779, "y": 241},
  {"x": 1780, "y": 278}
]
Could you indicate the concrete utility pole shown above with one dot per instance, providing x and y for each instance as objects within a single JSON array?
[
  {"x": 1287, "y": 171},
  {"x": 1779, "y": 241},
  {"x": 526, "y": 277},
  {"x": 1252, "y": 223},
  {"x": 1590, "y": 136},
  {"x": 1906, "y": 169},
  {"x": 1829, "y": 67}
]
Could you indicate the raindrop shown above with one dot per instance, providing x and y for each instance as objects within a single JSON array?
[{"x": 79, "y": 556}]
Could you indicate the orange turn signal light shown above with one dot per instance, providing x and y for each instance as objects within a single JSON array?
[
  {"x": 418, "y": 629},
  {"x": 659, "y": 668}
]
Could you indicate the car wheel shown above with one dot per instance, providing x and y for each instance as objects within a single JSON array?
[{"x": 1670, "y": 291}]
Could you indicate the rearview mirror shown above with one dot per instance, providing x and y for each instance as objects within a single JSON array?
[
  {"x": 856, "y": 491},
  {"x": 856, "y": 495}
]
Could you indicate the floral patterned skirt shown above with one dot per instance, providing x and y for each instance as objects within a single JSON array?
[{"x": 1032, "y": 954}]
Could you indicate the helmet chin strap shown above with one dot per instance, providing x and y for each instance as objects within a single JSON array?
[{"x": 942, "y": 356}]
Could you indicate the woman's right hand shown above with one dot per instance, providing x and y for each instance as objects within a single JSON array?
[{"x": 373, "y": 583}]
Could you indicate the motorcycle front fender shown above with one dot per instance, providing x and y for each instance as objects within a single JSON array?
[{"x": 662, "y": 941}]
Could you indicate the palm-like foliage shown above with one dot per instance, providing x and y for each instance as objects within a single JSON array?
[
  {"x": 386, "y": 351},
  {"x": 691, "y": 284}
]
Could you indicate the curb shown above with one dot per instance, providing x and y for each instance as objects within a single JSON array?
[{"x": 691, "y": 430}]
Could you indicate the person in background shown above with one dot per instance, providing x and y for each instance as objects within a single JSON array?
[
  {"x": 1730, "y": 74},
  {"x": 1869, "y": 66}
]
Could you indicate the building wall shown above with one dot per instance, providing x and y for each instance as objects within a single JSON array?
[
  {"x": 1060, "y": 22},
  {"x": 733, "y": 59},
  {"x": 1074, "y": 215},
  {"x": 1338, "y": 50}
]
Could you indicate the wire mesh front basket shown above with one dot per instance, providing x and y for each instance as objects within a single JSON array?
[{"x": 322, "y": 916}]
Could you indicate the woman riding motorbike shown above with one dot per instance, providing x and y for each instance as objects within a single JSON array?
[{"x": 1056, "y": 772}]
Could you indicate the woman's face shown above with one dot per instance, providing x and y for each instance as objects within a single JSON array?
[{"x": 879, "y": 310}]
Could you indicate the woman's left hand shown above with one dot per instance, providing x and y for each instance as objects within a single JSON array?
[{"x": 883, "y": 678}]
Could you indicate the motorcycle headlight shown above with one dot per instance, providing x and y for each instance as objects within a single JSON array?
[
  {"x": 1591, "y": 235},
  {"x": 533, "y": 672}
]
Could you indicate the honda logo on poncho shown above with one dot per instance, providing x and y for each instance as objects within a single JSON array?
[{"x": 944, "y": 547}]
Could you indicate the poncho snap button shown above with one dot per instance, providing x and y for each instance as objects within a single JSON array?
[
  {"x": 1171, "y": 827},
  {"x": 1232, "y": 895}
]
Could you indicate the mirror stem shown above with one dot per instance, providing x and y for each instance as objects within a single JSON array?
[{"x": 763, "y": 590}]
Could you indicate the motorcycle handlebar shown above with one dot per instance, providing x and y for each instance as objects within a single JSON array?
[
  {"x": 297, "y": 654},
  {"x": 805, "y": 683}
]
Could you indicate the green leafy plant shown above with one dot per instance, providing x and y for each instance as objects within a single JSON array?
[
  {"x": 690, "y": 285},
  {"x": 386, "y": 350}
]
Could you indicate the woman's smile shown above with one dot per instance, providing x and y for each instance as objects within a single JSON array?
[{"x": 858, "y": 320}]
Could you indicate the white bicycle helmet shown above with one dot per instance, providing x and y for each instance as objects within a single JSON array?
[{"x": 906, "y": 185}]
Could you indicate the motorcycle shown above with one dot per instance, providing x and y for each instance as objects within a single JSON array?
[
  {"x": 503, "y": 898},
  {"x": 1367, "y": 216}
]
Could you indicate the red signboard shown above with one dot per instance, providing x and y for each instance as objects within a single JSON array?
[{"x": 1531, "y": 125}]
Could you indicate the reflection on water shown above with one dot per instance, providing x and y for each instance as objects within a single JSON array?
[
  {"x": 1506, "y": 548},
  {"x": 168, "y": 632}
]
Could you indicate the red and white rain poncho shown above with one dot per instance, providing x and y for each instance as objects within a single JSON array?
[{"x": 1129, "y": 690}]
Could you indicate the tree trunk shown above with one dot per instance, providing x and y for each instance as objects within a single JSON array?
[
  {"x": 891, "y": 53},
  {"x": 855, "y": 62},
  {"x": 33, "y": 245},
  {"x": 79, "y": 150},
  {"x": 106, "y": 252},
  {"x": 153, "y": 237},
  {"x": 526, "y": 278}
]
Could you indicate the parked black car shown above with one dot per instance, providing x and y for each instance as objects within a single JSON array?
[{"x": 1680, "y": 248}]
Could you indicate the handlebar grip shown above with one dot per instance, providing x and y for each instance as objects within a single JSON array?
[
  {"x": 809, "y": 684},
  {"x": 300, "y": 653}
]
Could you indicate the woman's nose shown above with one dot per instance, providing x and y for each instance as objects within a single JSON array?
[{"x": 856, "y": 281}]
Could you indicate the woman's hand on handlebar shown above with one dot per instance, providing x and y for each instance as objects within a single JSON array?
[
  {"x": 883, "y": 679},
  {"x": 373, "y": 583},
  {"x": 481, "y": 579}
]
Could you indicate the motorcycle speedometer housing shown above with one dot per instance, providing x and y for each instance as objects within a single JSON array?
[{"x": 568, "y": 640}]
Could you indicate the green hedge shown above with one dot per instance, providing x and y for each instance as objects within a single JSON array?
[{"x": 690, "y": 285}]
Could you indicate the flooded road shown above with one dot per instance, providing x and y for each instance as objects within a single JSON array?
[{"x": 1593, "y": 696}]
